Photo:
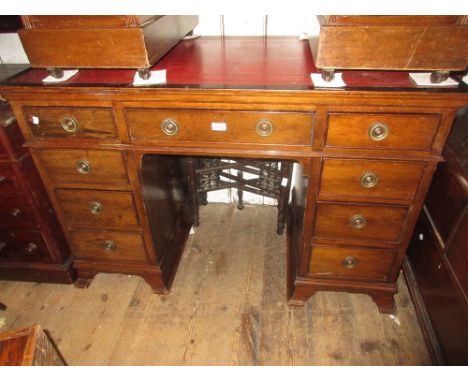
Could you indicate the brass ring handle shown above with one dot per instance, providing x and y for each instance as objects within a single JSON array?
[
  {"x": 378, "y": 131},
  {"x": 2, "y": 246},
  {"x": 369, "y": 179},
  {"x": 96, "y": 208},
  {"x": 357, "y": 221},
  {"x": 31, "y": 248},
  {"x": 170, "y": 126},
  {"x": 70, "y": 124},
  {"x": 264, "y": 127},
  {"x": 83, "y": 166},
  {"x": 349, "y": 262},
  {"x": 15, "y": 212},
  {"x": 109, "y": 245}
]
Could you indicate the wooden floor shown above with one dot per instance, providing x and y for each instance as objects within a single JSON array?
[{"x": 227, "y": 307}]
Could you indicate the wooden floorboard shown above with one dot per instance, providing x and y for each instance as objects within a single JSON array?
[{"x": 227, "y": 306}]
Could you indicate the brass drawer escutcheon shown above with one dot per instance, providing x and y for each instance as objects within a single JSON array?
[
  {"x": 349, "y": 262},
  {"x": 15, "y": 212},
  {"x": 369, "y": 179},
  {"x": 70, "y": 125},
  {"x": 378, "y": 131},
  {"x": 109, "y": 246},
  {"x": 169, "y": 126},
  {"x": 264, "y": 127},
  {"x": 96, "y": 208},
  {"x": 31, "y": 248},
  {"x": 357, "y": 221},
  {"x": 83, "y": 166}
]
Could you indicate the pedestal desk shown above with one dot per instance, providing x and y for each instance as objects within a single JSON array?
[{"x": 112, "y": 157}]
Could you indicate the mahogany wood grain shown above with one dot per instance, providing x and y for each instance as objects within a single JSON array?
[
  {"x": 393, "y": 47},
  {"x": 89, "y": 245},
  {"x": 406, "y": 132},
  {"x": 341, "y": 178},
  {"x": 110, "y": 46},
  {"x": 117, "y": 209},
  {"x": 371, "y": 264},
  {"x": 383, "y": 223},
  {"x": 197, "y": 125},
  {"x": 94, "y": 122},
  {"x": 392, "y": 20},
  {"x": 107, "y": 167},
  {"x": 67, "y": 21}
]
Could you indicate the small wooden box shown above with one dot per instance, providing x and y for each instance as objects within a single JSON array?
[
  {"x": 429, "y": 43},
  {"x": 101, "y": 41},
  {"x": 28, "y": 347}
]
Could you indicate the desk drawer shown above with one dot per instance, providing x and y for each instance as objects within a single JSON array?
[
  {"x": 89, "y": 167},
  {"x": 108, "y": 246},
  {"x": 360, "y": 221},
  {"x": 370, "y": 178},
  {"x": 23, "y": 246},
  {"x": 71, "y": 122},
  {"x": 350, "y": 262},
  {"x": 282, "y": 128},
  {"x": 382, "y": 131},
  {"x": 98, "y": 209},
  {"x": 9, "y": 183},
  {"x": 16, "y": 212}
]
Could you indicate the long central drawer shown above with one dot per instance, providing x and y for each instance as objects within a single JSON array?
[{"x": 284, "y": 128}]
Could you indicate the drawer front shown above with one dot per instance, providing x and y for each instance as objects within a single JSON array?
[
  {"x": 220, "y": 126},
  {"x": 359, "y": 221},
  {"x": 89, "y": 167},
  {"x": 108, "y": 246},
  {"x": 9, "y": 183},
  {"x": 23, "y": 246},
  {"x": 370, "y": 178},
  {"x": 16, "y": 212},
  {"x": 69, "y": 122},
  {"x": 98, "y": 209},
  {"x": 349, "y": 262},
  {"x": 382, "y": 131}
]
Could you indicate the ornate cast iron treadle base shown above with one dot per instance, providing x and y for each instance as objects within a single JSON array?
[{"x": 270, "y": 178}]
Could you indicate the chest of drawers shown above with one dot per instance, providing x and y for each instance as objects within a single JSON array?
[
  {"x": 113, "y": 159},
  {"x": 32, "y": 244}
]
